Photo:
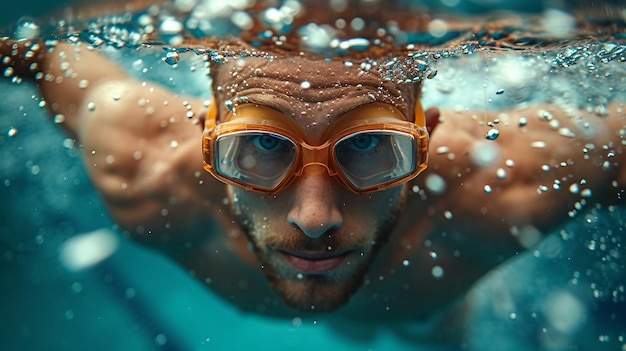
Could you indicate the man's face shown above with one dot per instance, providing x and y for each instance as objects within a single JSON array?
[{"x": 315, "y": 239}]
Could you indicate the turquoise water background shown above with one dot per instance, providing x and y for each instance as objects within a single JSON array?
[{"x": 137, "y": 300}]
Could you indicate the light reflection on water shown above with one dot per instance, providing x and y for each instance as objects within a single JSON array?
[{"x": 568, "y": 290}]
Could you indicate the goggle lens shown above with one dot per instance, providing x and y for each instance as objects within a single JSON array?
[
  {"x": 261, "y": 159},
  {"x": 371, "y": 158}
]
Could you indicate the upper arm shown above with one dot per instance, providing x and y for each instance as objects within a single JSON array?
[
  {"x": 71, "y": 74},
  {"x": 141, "y": 151},
  {"x": 144, "y": 156},
  {"x": 537, "y": 175}
]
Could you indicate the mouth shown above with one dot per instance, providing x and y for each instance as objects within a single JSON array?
[{"x": 314, "y": 262}]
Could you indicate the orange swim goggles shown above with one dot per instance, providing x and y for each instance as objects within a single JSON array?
[{"x": 368, "y": 149}]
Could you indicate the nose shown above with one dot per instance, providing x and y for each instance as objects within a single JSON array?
[{"x": 314, "y": 209}]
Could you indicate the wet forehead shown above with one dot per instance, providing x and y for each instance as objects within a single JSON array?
[{"x": 312, "y": 93}]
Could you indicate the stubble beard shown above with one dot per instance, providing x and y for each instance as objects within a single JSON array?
[{"x": 321, "y": 293}]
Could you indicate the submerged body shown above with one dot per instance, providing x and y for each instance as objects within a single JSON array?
[{"x": 323, "y": 247}]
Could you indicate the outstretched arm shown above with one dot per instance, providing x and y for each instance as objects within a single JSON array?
[
  {"x": 500, "y": 194},
  {"x": 141, "y": 150},
  {"x": 67, "y": 75}
]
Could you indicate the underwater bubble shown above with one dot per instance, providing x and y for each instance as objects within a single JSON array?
[
  {"x": 229, "y": 105},
  {"x": 487, "y": 188},
  {"x": 160, "y": 339},
  {"x": 77, "y": 287},
  {"x": 171, "y": 25},
  {"x": 171, "y": 58},
  {"x": 357, "y": 24},
  {"x": 305, "y": 84},
  {"x": 317, "y": 37},
  {"x": 242, "y": 20},
  {"x": 442, "y": 150},
  {"x": 538, "y": 144},
  {"x": 558, "y": 23},
  {"x": 83, "y": 83},
  {"x": 564, "y": 312},
  {"x": 296, "y": 322},
  {"x": 501, "y": 173},
  {"x": 522, "y": 122},
  {"x": 435, "y": 183},
  {"x": 485, "y": 154},
  {"x": 406, "y": 263},
  {"x": 59, "y": 118},
  {"x": 545, "y": 115},
  {"x": 355, "y": 44},
  {"x": 91, "y": 106},
  {"x": 500, "y": 92},
  {"x": 492, "y": 134},
  {"x": 86, "y": 250},
  {"x": 69, "y": 314},
  {"x": 566, "y": 132},
  {"x": 27, "y": 29},
  {"x": 130, "y": 293},
  {"x": 529, "y": 236},
  {"x": 437, "y": 28},
  {"x": 12, "y": 132},
  {"x": 437, "y": 272},
  {"x": 9, "y": 71},
  {"x": 574, "y": 188}
]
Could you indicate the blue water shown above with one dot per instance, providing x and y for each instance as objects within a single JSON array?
[{"x": 137, "y": 300}]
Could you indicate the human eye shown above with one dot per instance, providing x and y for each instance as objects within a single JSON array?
[
  {"x": 267, "y": 142},
  {"x": 266, "y": 146},
  {"x": 363, "y": 142}
]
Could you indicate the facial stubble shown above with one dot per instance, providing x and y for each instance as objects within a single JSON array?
[{"x": 321, "y": 293}]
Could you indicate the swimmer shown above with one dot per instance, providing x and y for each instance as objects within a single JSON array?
[{"x": 317, "y": 195}]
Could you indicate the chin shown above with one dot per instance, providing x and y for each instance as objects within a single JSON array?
[{"x": 318, "y": 293}]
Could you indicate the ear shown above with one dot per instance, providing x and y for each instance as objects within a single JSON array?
[{"x": 432, "y": 119}]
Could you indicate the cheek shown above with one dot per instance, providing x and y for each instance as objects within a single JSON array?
[
  {"x": 375, "y": 208},
  {"x": 256, "y": 211}
]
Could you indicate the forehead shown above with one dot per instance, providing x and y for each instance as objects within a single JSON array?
[{"x": 311, "y": 92}]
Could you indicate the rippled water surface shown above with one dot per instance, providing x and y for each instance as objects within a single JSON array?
[{"x": 567, "y": 294}]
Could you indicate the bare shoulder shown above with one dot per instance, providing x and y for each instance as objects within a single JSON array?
[
  {"x": 141, "y": 142},
  {"x": 543, "y": 165},
  {"x": 142, "y": 149}
]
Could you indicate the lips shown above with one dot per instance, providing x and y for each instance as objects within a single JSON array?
[{"x": 314, "y": 262}]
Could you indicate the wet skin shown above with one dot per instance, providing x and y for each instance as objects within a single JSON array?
[{"x": 377, "y": 248}]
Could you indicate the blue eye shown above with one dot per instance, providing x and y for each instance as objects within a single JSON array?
[
  {"x": 363, "y": 142},
  {"x": 266, "y": 142}
]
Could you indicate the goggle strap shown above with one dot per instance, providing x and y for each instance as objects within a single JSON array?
[
  {"x": 420, "y": 117},
  {"x": 211, "y": 116}
]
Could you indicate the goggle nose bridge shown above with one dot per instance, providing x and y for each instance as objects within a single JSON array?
[{"x": 315, "y": 156}]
